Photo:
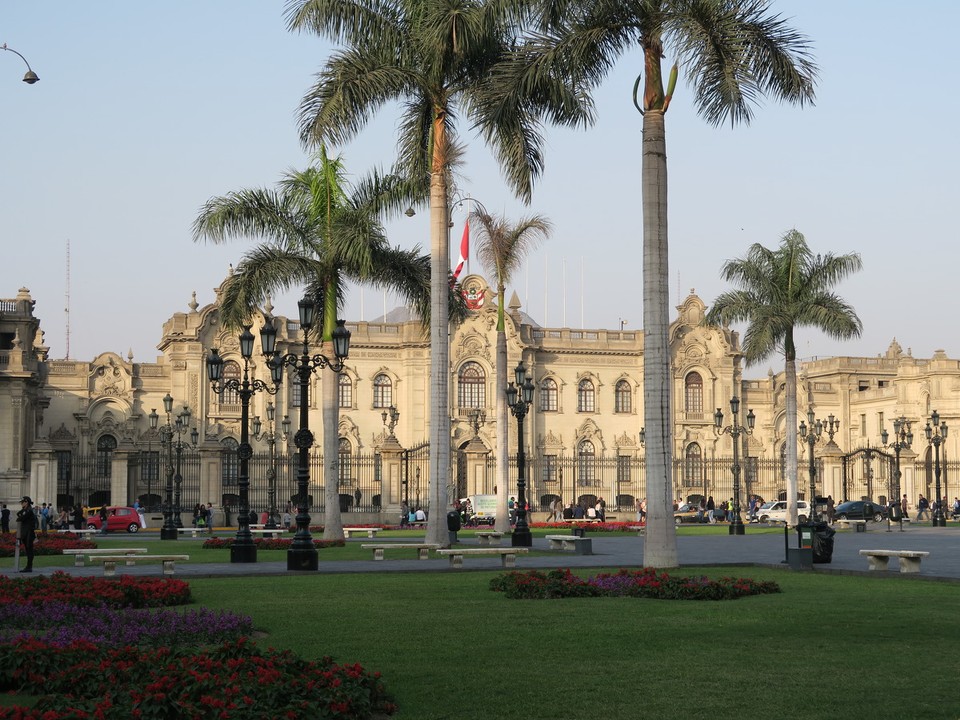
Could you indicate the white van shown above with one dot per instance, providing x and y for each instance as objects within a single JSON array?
[
  {"x": 776, "y": 511},
  {"x": 483, "y": 509}
]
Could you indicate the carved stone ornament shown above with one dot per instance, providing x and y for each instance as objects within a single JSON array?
[{"x": 110, "y": 380}]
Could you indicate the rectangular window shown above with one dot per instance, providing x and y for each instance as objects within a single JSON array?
[
  {"x": 295, "y": 394},
  {"x": 879, "y": 423},
  {"x": 345, "y": 392},
  {"x": 623, "y": 468},
  {"x": 549, "y": 474},
  {"x": 863, "y": 425}
]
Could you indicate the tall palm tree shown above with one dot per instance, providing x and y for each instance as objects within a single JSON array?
[
  {"x": 501, "y": 248},
  {"x": 782, "y": 290},
  {"x": 436, "y": 58},
  {"x": 733, "y": 52},
  {"x": 316, "y": 232}
]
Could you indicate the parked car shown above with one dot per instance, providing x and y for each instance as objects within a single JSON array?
[
  {"x": 687, "y": 513},
  {"x": 119, "y": 519},
  {"x": 775, "y": 511},
  {"x": 860, "y": 510}
]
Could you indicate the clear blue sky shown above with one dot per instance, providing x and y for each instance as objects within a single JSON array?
[{"x": 145, "y": 110}]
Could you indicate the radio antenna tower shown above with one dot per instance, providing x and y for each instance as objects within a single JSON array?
[{"x": 66, "y": 308}]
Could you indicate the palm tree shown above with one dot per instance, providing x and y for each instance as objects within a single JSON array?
[
  {"x": 733, "y": 52},
  {"x": 782, "y": 290},
  {"x": 436, "y": 58},
  {"x": 318, "y": 234},
  {"x": 501, "y": 248}
]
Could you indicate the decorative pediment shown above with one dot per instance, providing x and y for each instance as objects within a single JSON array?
[
  {"x": 110, "y": 378},
  {"x": 61, "y": 434}
]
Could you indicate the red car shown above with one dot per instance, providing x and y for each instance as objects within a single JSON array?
[{"x": 118, "y": 519}]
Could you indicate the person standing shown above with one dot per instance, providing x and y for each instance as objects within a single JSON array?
[
  {"x": 923, "y": 508},
  {"x": 5, "y": 519},
  {"x": 27, "y": 530}
]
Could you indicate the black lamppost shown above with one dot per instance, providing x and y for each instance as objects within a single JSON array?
[
  {"x": 302, "y": 554},
  {"x": 811, "y": 432},
  {"x": 243, "y": 549},
  {"x": 735, "y": 430},
  {"x": 171, "y": 505},
  {"x": 902, "y": 438},
  {"x": 936, "y": 433},
  {"x": 519, "y": 397},
  {"x": 31, "y": 77},
  {"x": 271, "y": 437}
]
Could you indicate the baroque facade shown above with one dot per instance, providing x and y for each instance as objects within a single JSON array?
[{"x": 80, "y": 431}]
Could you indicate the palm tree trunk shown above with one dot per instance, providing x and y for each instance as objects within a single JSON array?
[
  {"x": 502, "y": 523},
  {"x": 790, "y": 454},
  {"x": 439, "y": 350},
  {"x": 660, "y": 545}
]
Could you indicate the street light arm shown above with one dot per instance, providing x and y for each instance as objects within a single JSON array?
[{"x": 31, "y": 77}]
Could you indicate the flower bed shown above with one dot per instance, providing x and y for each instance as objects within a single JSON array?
[
  {"x": 645, "y": 583},
  {"x": 268, "y": 543},
  {"x": 124, "y": 592},
  {"x": 234, "y": 681},
  {"x": 50, "y": 544},
  {"x": 591, "y": 526}
]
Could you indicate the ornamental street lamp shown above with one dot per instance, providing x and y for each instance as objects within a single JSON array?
[
  {"x": 936, "y": 433},
  {"x": 390, "y": 418},
  {"x": 902, "y": 438},
  {"x": 243, "y": 549},
  {"x": 519, "y": 398},
  {"x": 735, "y": 430},
  {"x": 271, "y": 437},
  {"x": 171, "y": 505},
  {"x": 302, "y": 554},
  {"x": 31, "y": 77},
  {"x": 811, "y": 432}
]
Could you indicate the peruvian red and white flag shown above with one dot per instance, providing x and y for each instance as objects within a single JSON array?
[{"x": 464, "y": 250}]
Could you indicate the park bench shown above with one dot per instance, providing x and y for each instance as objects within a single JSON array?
[
  {"x": 487, "y": 537},
  {"x": 581, "y": 520},
  {"x": 370, "y": 531},
  {"x": 194, "y": 531},
  {"x": 859, "y": 525},
  {"x": 909, "y": 559},
  {"x": 641, "y": 529},
  {"x": 508, "y": 556},
  {"x": 423, "y": 549},
  {"x": 272, "y": 532},
  {"x": 571, "y": 543},
  {"x": 82, "y": 531},
  {"x": 110, "y": 562},
  {"x": 80, "y": 554}
]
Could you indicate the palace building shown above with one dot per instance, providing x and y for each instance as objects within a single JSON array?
[{"x": 75, "y": 431}]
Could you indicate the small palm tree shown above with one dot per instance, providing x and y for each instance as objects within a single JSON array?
[
  {"x": 501, "y": 248},
  {"x": 437, "y": 58},
  {"x": 316, "y": 233},
  {"x": 733, "y": 52},
  {"x": 782, "y": 290}
]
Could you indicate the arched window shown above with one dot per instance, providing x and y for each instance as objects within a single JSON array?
[
  {"x": 229, "y": 462},
  {"x": 344, "y": 391},
  {"x": 345, "y": 455},
  {"x": 586, "y": 396},
  {"x": 622, "y": 397},
  {"x": 693, "y": 396},
  {"x": 106, "y": 444},
  {"x": 471, "y": 386},
  {"x": 231, "y": 371},
  {"x": 586, "y": 462},
  {"x": 382, "y": 391},
  {"x": 549, "y": 395},
  {"x": 693, "y": 465}
]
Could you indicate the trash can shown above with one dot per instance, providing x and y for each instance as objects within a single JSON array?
[
  {"x": 453, "y": 525},
  {"x": 822, "y": 543}
]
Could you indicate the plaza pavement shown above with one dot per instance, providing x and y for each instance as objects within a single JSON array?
[{"x": 767, "y": 549}]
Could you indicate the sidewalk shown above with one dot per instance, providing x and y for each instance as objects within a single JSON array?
[{"x": 751, "y": 549}]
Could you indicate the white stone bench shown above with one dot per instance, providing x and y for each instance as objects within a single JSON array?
[
  {"x": 508, "y": 556},
  {"x": 859, "y": 525},
  {"x": 909, "y": 559},
  {"x": 272, "y": 532},
  {"x": 581, "y": 520},
  {"x": 641, "y": 529},
  {"x": 110, "y": 562},
  {"x": 194, "y": 531},
  {"x": 423, "y": 549},
  {"x": 487, "y": 537},
  {"x": 80, "y": 554},
  {"x": 82, "y": 531},
  {"x": 571, "y": 543},
  {"x": 370, "y": 531}
]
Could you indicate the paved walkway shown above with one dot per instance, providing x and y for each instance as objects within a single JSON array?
[{"x": 766, "y": 549}]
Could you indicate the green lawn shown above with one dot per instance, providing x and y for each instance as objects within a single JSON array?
[{"x": 450, "y": 648}]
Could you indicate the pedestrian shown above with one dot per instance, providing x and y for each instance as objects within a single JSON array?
[
  {"x": 44, "y": 518},
  {"x": 210, "y": 518},
  {"x": 905, "y": 507},
  {"x": 5, "y": 519},
  {"x": 77, "y": 516},
  {"x": 27, "y": 530},
  {"x": 830, "y": 507},
  {"x": 103, "y": 519},
  {"x": 923, "y": 508}
]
